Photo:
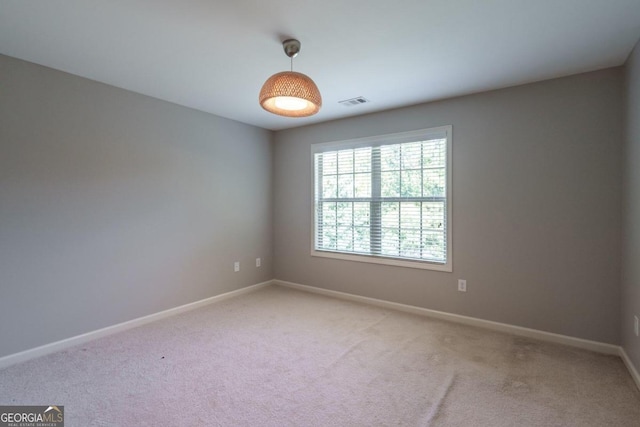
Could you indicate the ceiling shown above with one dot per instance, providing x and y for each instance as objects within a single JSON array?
[{"x": 214, "y": 55}]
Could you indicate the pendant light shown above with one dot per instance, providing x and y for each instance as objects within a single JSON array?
[{"x": 289, "y": 93}]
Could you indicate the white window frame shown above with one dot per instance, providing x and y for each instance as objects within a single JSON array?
[{"x": 411, "y": 136}]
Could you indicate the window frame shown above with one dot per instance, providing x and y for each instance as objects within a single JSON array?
[{"x": 378, "y": 140}]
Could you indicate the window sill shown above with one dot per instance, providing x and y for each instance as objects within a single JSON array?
[{"x": 423, "y": 265}]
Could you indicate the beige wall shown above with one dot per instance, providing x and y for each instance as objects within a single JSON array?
[
  {"x": 536, "y": 207},
  {"x": 114, "y": 205},
  {"x": 631, "y": 209}
]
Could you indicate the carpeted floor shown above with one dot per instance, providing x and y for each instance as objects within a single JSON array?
[{"x": 280, "y": 357}]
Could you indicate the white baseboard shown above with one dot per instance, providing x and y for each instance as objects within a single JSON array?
[
  {"x": 487, "y": 324},
  {"x": 109, "y": 330},
  {"x": 629, "y": 364},
  {"x": 466, "y": 320}
]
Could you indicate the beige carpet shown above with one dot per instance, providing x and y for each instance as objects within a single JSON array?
[{"x": 279, "y": 357}]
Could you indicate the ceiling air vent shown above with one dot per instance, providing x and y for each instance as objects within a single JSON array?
[{"x": 354, "y": 101}]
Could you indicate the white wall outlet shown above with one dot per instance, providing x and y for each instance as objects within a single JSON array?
[
  {"x": 236, "y": 266},
  {"x": 462, "y": 285},
  {"x": 636, "y": 325},
  {"x": 258, "y": 262}
]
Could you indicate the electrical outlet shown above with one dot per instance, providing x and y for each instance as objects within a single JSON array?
[
  {"x": 462, "y": 285},
  {"x": 258, "y": 262},
  {"x": 236, "y": 266},
  {"x": 636, "y": 326}
]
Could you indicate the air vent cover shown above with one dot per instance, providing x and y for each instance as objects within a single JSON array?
[{"x": 354, "y": 101}]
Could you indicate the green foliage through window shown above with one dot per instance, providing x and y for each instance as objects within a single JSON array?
[{"x": 387, "y": 200}]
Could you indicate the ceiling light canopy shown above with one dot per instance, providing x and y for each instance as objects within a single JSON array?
[{"x": 289, "y": 93}]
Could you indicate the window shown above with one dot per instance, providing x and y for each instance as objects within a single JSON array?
[{"x": 385, "y": 199}]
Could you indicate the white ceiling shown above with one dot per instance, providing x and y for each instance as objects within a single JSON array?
[{"x": 214, "y": 55}]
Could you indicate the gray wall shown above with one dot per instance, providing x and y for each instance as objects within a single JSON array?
[
  {"x": 631, "y": 209},
  {"x": 114, "y": 205},
  {"x": 536, "y": 207}
]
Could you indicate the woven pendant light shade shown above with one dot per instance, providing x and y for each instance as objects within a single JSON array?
[
  {"x": 289, "y": 93},
  {"x": 290, "y": 84}
]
